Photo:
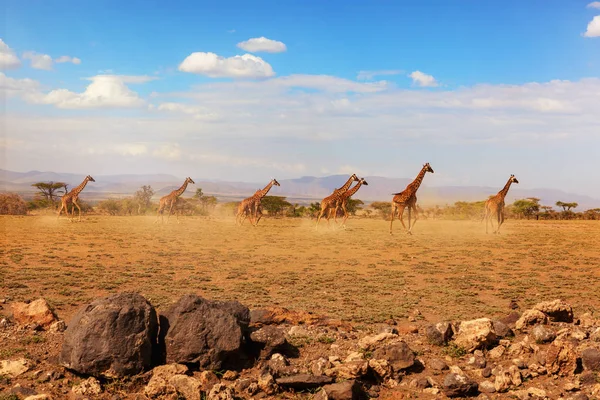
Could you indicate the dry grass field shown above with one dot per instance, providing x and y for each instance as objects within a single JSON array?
[{"x": 447, "y": 269}]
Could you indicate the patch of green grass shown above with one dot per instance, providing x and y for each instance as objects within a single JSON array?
[
  {"x": 33, "y": 340},
  {"x": 325, "y": 339},
  {"x": 454, "y": 350}
]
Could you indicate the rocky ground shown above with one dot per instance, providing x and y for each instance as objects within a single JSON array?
[{"x": 119, "y": 347}]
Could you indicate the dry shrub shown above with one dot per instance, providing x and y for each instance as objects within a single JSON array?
[{"x": 12, "y": 204}]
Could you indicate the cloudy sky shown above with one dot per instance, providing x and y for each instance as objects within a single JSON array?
[{"x": 252, "y": 90}]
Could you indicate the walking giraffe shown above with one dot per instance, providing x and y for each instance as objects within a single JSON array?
[
  {"x": 72, "y": 197},
  {"x": 251, "y": 205},
  {"x": 332, "y": 200},
  {"x": 408, "y": 198},
  {"x": 344, "y": 200},
  {"x": 170, "y": 200},
  {"x": 494, "y": 206}
]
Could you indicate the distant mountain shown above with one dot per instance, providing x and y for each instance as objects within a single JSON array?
[{"x": 301, "y": 190}]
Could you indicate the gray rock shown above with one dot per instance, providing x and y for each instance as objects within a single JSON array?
[
  {"x": 112, "y": 337},
  {"x": 590, "y": 358},
  {"x": 456, "y": 385},
  {"x": 542, "y": 334},
  {"x": 398, "y": 355},
  {"x": 268, "y": 340},
  {"x": 440, "y": 333},
  {"x": 205, "y": 332},
  {"x": 303, "y": 381},
  {"x": 437, "y": 365},
  {"x": 502, "y": 330},
  {"x": 487, "y": 387}
]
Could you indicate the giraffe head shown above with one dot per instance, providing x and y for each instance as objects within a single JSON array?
[
  {"x": 354, "y": 178},
  {"x": 513, "y": 179},
  {"x": 363, "y": 182},
  {"x": 89, "y": 178},
  {"x": 274, "y": 181},
  {"x": 189, "y": 180},
  {"x": 427, "y": 168}
]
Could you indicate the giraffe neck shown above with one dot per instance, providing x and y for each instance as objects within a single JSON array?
[
  {"x": 346, "y": 185},
  {"x": 180, "y": 191},
  {"x": 351, "y": 192},
  {"x": 417, "y": 182},
  {"x": 263, "y": 193},
  {"x": 504, "y": 190},
  {"x": 75, "y": 191}
]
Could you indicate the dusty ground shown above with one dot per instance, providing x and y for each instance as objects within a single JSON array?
[{"x": 446, "y": 270}]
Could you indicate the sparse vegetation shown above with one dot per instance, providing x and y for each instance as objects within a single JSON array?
[{"x": 12, "y": 204}]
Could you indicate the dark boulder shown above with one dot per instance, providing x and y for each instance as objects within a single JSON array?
[{"x": 111, "y": 337}]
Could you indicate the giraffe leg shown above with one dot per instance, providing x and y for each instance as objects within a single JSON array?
[
  {"x": 409, "y": 219},
  {"x": 79, "y": 208},
  {"x": 319, "y": 217},
  {"x": 401, "y": 215},
  {"x": 61, "y": 208},
  {"x": 335, "y": 213},
  {"x": 415, "y": 220},
  {"x": 170, "y": 211},
  {"x": 345, "y": 215},
  {"x": 394, "y": 209},
  {"x": 259, "y": 214},
  {"x": 161, "y": 205},
  {"x": 501, "y": 217}
]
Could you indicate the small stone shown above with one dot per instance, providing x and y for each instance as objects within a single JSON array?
[
  {"x": 557, "y": 310},
  {"x": 37, "y": 312},
  {"x": 475, "y": 334},
  {"x": 220, "y": 392},
  {"x": 542, "y": 334},
  {"x": 587, "y": 320},
  {"x": 419, "y": 383},
  {"x": 88, "y": 387},
  {"x": 319, "y": 366},
  {"x": 502, "y": 330},
  {"x": 39, "y": 397},
  {"x": 537, "y": 392},
  {"x": 352, "y": 370},
  {"x": 370, "y": 341},
  {"x": 590, "y": 358},
  {"x": 230, "y": 375},
  {"x": 572, "y": 386},
  {"x": 578, "y": 334},
  {"x": 456, "y": 385},
  {"x": 267, "y": 384},
  {"x": 399, "y": 355},
  {"x": 58, "y": 327},
  {"x": 186, "y": 386},
  {"x": 487, "y": 387},
  {"x": 14, "y": 368},
  {"x": 355, "y": 356},
  {"x": 531, "y": 317},
  {"x": 381, "y": 368},
  {"x": 437, "y": 365},
  {"x": 477, "y": 361},
  {"x": 303, "y": 381},
  {"x": 561, "y": 358},
  {"x": 486, "y": 372},
  {"x": 496, "y": 352},
  {"x": 207, "y": 380},
  {"x": 347, "y": 390},
  {"x": 440, "y": 333}
]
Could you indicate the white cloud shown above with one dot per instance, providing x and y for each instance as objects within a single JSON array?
[
  {"x": 594, "y": 4},
  {"x": 369, "y": 75},
  {"x": 66, "y": 59},
  {"x": 131, "y": 149},
  {"x": 195, "y": 111},
  {"x": 215, "y": 66},
  {"x": 11, "y": 86},
  {"x": 593, "y": 28},
  {"x": 242, "y": 161},
  {"x": 8, "y": 58},
  {"x": 422, "y": 79},
  {"x": 39, "y": 61},
  {"x": 262, "y": 44},
  {"x": 231, "y": 31},
  {"x": 169, "y": 151},
  {"x": 105, "y": 91}
]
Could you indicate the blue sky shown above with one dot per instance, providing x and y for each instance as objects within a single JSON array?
[{"x": 479, "y": 89}]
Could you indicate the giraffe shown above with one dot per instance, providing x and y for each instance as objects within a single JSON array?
[
  {"x": 343, "y": 201},
  {"x": 170, "y": 200},
  {"x": 72, "y": 197},
  {"x": 408, "y": 198},
  {"x": 494, "y": 206},
  {"x": 333, "y": 199},
  {"x": 251, "y": 206}
]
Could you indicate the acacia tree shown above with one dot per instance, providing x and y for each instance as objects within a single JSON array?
[
  {"x": 143, "y": 197},
  {"x": 528, "y": 207},
  {"x": 49, "y": 190},
  {"x": 566, "y": 206}
]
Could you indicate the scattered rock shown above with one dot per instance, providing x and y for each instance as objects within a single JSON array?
[
  {"x": 207, "y": 380},
  {"x": 511, "y": 319},
  {"x": 440, "y": 333},
  {"x": 561, "y": 358},
  {"x": 22, "y": 391},
  {"x": 220, "y": 392},
  {"x": 437, "y": 365},
  {"x": 278, "y": 365},
  {"x": 88, "y": 387},
  {"x": 502, "y": 330},
  {"x": 531, "y": 317},
  {"x": 557, "y": 310},
  {"x": 350, "y": 370},
  {"x": 542, "y": 334},
  {"x": 205, "y": 332},
  {"x": 36, "y": 312},
  {"x": 475, "y": 334},
  {"x": 587, "y": 320},
  {"x": 381, "y": 368},
  {"x": 477, "y": 360},
  {"x": 14, "y": 368},
  {"x": 159, "y": 385},
  {"x": 590, "y": 358},
  {"x": 39, "y": 397},
  {"x": 507, "y": 378},
  {"x": 267, "y": 384},
  {"x": 58, "y": 327},
  {"x": 186, "y": 386},
  {"x": 347, "y": 390},
  {"x": 496, "y": 352},
  {"x": 111, "y": 337},
  {"x": 268, "y": 340},
  {"x": 456, "y": 385},
  {"x": 578, "y": 334},
  {"x": 319, "y": 366},
  {"x": 419, "y": 383},
  {"x": 230, "y": 375},
  {"x": 487, "y": 387},
  {"x": 369, "y": 342},
  {"x": 398, "y": 355}
]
